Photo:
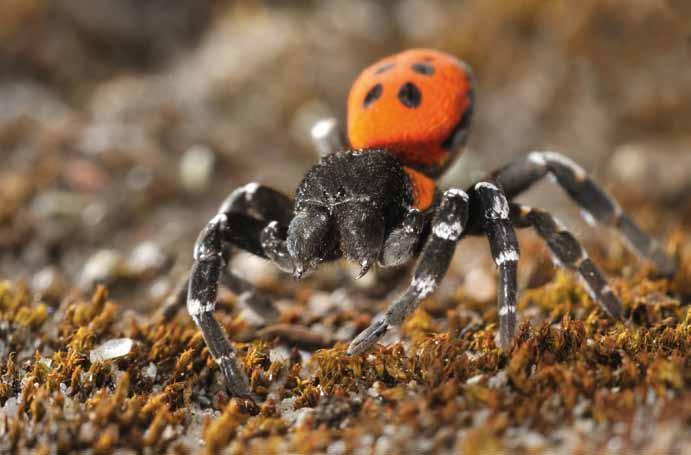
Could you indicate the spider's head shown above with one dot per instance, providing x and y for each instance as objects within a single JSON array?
[{"x": 344, "y": 207}]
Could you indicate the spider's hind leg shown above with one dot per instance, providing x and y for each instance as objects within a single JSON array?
[
  {"x": 519, "y": 175},
  {"x": 568, "y": 253}
]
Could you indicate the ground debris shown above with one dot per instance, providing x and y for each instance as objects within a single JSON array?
[
  {"x": 122, "y": 383},
  {"x": 111, "y": 349}
]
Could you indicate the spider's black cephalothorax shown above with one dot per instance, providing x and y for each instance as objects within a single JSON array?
[{"x": 346, "y": 206}]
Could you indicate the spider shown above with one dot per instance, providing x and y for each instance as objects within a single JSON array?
[{"x": 372, "y": 199}]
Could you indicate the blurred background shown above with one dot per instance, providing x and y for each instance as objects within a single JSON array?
[{"x": 123, "y": 124}]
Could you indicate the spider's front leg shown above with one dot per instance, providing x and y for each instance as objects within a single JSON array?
[
  {"x": 504, "y": 247},
  {"x": 201, "y": 302},
  {"x": 599, "y": 206},
  {"x": 241, "y": 222},
  {"x": 449, "y": 221},
  {"x": 261, "y": 203}
]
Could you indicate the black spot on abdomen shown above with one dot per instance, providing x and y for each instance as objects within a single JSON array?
[
  {"x": 423, "y": 68},
  {"x": 409, "y": 95},
  {"x": 384, "y": 68},
  {"x": 372, "y": 96}
]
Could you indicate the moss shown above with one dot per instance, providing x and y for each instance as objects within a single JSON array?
[{"x": 445, "y": 384}]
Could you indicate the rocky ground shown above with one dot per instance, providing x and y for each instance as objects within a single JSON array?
[{"x": 122, "y": 128}]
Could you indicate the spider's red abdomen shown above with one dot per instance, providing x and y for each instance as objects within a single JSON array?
[{"x": 416, "y": 104}]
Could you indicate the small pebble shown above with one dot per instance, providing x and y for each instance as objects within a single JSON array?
[
  {"x": 320, "y": 304},
  {"x": 85, "y": 176},
  {"x": 475, "y": 379},
  {"x": 196, "y": 168},
  {"x": 337, "y": 448},
  {"x": 498, "y": 381},
  {"x": 150, "y": 371},
  {"x": 59, "y": 203},
  {"x": 111, "y": 349},
  {"x": 146, "y": 257},
  {"x": 94, "y": 213},
  {"x": 100, "y": 267},
  {"x": 480, "y": 285},
  {"x": 49, "y": 282}
]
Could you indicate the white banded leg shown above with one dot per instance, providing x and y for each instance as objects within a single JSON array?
[
  {"x": 505, "y": 252},
  {"x": 597, "y": 205},
  {"x": 249, "y": 208},
  {"x": 201, "y": 303},
  {"x": 569, "y": 253},
  {"x": 449, "y": 221}
]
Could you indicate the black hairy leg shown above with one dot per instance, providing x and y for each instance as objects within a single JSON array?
[
  {"x": 263, "y": 204},
  {"x": 568, "y": 253},
  {"x": 241, "y": 222},
  {"x": 597, "y": 205},
  {"x": 245, "y": 291},
  {"x": 491, "y": 209},
  {"x": 201, "y": 302},
  {"x": 447, "y": 226}
]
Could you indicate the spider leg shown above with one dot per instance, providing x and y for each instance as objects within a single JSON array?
[
  {"x": 201, "y": 301},
  {"x": 518, "y": 176},
  {"x": 240, "y": 223},
  {"x": 259, "y": 201},
  {"x": 447, "y": 226},
  {"x": 569, "y": 253},
  {"x": 505, "y": 252},
  {"x": 243, "y": 289},
  {"x": 262, "y": 203}
]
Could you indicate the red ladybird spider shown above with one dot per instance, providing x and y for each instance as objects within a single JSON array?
[{"x": 375, "y": 200}]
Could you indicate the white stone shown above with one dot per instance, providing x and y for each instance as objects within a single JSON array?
[
  {"x": 196, "y": 167},
  {"x": 100, "y": 267},
  {"x": 111, "y": 349},
  {"x": 150, "y": 371}
]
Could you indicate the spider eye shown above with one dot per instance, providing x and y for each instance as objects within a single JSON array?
[
  {"x": 373, "y": 95},
  {"x": 409, "y": 95},
  {"x": 423, "y": 68}
]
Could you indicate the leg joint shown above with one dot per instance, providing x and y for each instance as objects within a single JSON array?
[{"x": 493, "y": 201}]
